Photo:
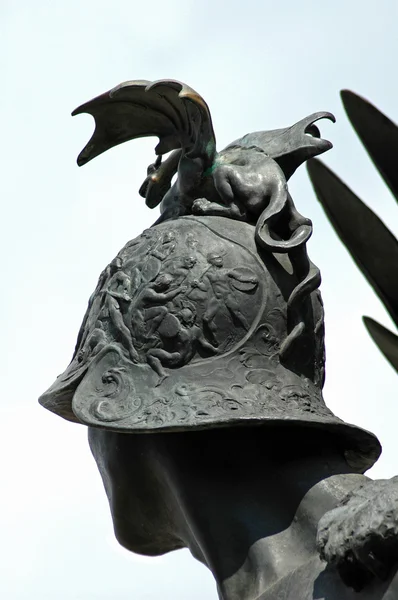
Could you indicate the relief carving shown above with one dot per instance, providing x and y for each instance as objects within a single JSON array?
[{"x": 164, "y": 304}]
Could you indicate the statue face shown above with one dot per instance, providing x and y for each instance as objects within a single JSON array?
[
  {"x": 189, "y": 262},
  {"x": 215, "y": 260},
  {"x": 169, "y": 237},
  {"x": 186, "y": 317},
  {"x": 163, "y": 282},
  {"x": 131, "y": 473}
]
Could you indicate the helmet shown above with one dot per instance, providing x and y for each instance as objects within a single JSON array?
[{"x": 140, "y": 366}]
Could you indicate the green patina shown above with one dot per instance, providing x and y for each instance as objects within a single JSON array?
[
  {"x": 210, "y": 170},
  {"x": 210, "y": 151}
]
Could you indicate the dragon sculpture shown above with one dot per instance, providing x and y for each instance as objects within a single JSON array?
[{"x": 246, "y": 181}]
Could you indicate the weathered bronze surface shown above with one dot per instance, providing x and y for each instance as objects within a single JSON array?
[{"x": 199, "y": 365}]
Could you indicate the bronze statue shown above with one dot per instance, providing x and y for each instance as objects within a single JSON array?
[{"x": 199, "y": 367}]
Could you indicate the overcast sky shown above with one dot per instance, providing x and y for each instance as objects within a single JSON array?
[{"x": 260, "y": 65}]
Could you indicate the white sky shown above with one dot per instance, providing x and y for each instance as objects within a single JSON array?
[{"x": 260, "y": 65}]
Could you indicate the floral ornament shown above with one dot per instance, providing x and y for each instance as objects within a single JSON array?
[
  {"x": 263, "y": 377},
  {"x": 295, "y": 394},
  {"x": 116, "y": 398},
  {"x": 264, "y": 353},
  {"x": 300, "y": 398},
  {"x": 267, "y": 342}
]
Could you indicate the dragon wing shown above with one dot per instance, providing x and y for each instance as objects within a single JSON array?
[{"x": 167, "y": 109}]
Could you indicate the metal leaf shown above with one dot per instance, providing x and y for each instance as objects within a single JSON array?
[
  {"x": 378, "y": 134},
  {"x": 371, "y": 244},
  {"x": 386, "y": 341}
]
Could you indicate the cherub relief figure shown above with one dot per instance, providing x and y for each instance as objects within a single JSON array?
[
  {"x": 117, "y": 292},
  {"x": 217, "y": 283},
  {"x": 216, "y": 437},
  {"x": 182, "y": 332},
  {"x": 150, "y": 304}
]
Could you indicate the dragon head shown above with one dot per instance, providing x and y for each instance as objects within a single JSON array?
[{"x": 292, "y": 146}]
